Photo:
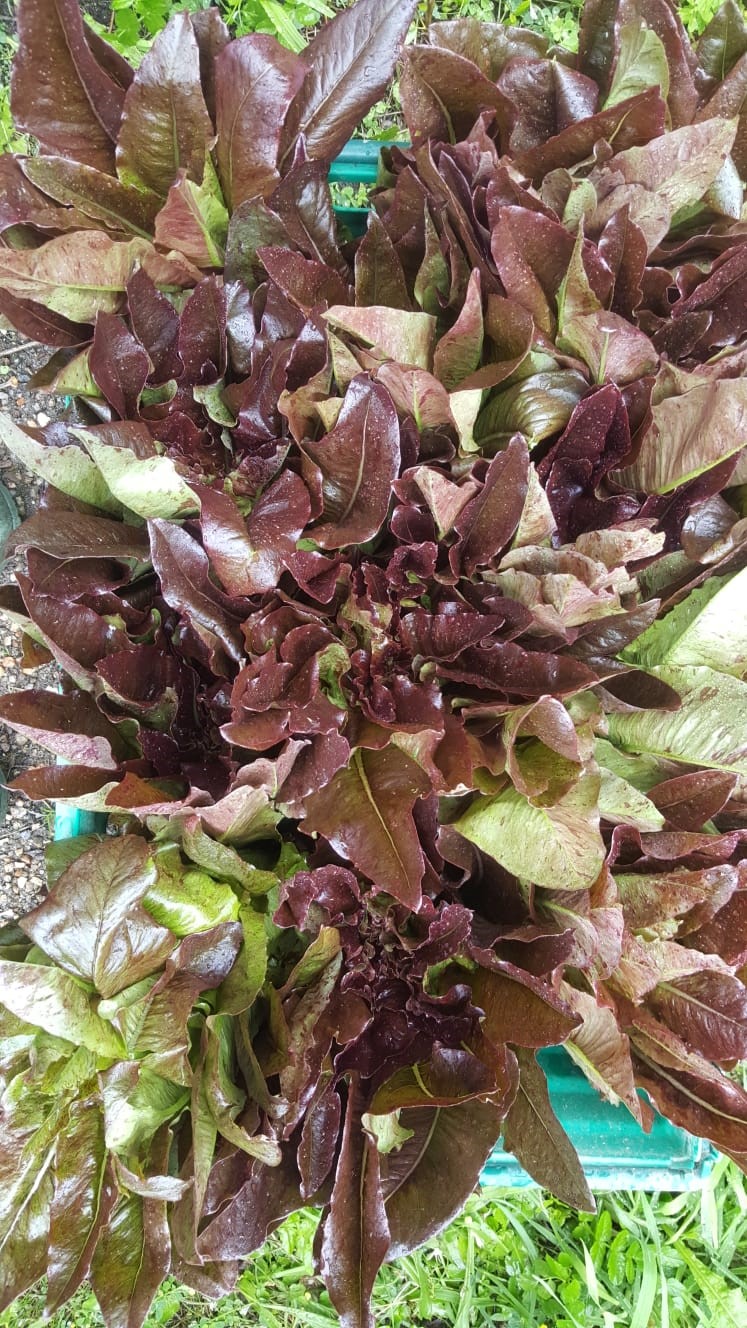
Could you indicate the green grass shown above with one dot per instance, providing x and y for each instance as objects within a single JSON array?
[
  {"x": 514, "y": 1259},
  {"x": 134, "y": 23}
]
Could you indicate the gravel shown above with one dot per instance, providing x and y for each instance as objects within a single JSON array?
[{"x": 28, "y": 825}]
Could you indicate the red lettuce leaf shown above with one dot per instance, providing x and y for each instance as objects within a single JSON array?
[
  {"x": 355, "y": 1235},
  {"x": 366, "y": 813},
  {"x": 61, "y": 94},
  {"x": 256, "y": 80},
  {"x": 165, "y": 122}
]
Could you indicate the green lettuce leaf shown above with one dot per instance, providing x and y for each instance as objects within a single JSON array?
[
  {"x": 187, "y": 901},
  {"x": 689, "y": 434},
  {"x": 709, "y": 729},
  {"x": 93, "y": 923},
  {"x": 151, "y": 487},
  {"x": 68, "y": 469},
  {"x": 708, "y": 628},
  {"x": 558, "y": 846},
  {"x": 50, "y": 999}
]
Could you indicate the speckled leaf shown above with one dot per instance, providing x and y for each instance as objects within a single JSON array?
[
  {"x": 84, "y": 1195},
  {"x": 602, "y": 1050},
  {"x": 256, "y": 80},
  {"x": 688, "y": 435},
  {"x": 95, "y": 193},
  {"x": 151, "y": 487},
  {"x": 165, "y": 123},
  {"x": 50, "y": 999},
  {"x": 394, "y": 333},
  {"x": 60, "y": 92},
  {"x": 349, "y": 65},
  {"x": 194, "y": 219},
  {"x": 132, "y": 1258},
  {"x": 74, "y": 275},
  {"x": 533, "y": 1133},
  {"x": 357, "y": 461},
  {"x": 558, "y": 846},
  {"x": 709, "y": 729},
  {"x": 356, "y": 1231},
  {"x": 69, "y": 468},
  {"x": 431, "y": 1176}
]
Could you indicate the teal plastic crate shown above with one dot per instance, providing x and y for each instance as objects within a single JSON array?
[
  {"x": 616, "y": 1154},
  {"x": 358, "y": 163}
]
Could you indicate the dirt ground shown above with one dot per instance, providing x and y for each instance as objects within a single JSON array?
[{"x": 28, "y": 825}]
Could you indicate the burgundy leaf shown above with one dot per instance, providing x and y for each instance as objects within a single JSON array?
[
  {"x": 631, "y": 122},
  {"x": 319, "y": 1137},
  {"x": 155, "y": 323},
  {"x": 250, "y": 555},
  {"x": 349, "y": 64},
  {"x": 132, "y": 1257},
  {"x": 182, "y": 568},
  {"x": 450, "y": 1076},
  {"x": 356, "y": 1231},
  {"x": 304, "y": 281},
  {"x": 70, "y": 726},
  {"x": 443, "y": 94},
  {"x": 431, "y": 1176},
  {"x": 32, "y": 320},
  {"x": 212, "y": 37},
  {"x": 547, "y": 98},
  {"x": 533, "y": 1133},
  {"x": 265, "y": 1197},
  {"x": 202, "y": 333},
  {"x": 366, "y": 813},
  {"x": 165, "y": 123},
  {"x": 379, "y": 276},
  {"x": 256, "y": 81},
  {"x": 709, "y": 1010},
  {"x": 357, "y": 463},
  {"x": 520, "y": 1009},
  {"x": 688, "y": 801},
  {"x": 119, "y": 365},
  {"x": 60, "y": 93},
  {"x": 487, "y": 523},
  {"x": 458, "y": 353}
]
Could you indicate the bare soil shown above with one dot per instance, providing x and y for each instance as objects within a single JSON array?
[{"x": 28, "y": 825}]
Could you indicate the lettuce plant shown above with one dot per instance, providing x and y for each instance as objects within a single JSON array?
[{"x": 395, "y": 590}]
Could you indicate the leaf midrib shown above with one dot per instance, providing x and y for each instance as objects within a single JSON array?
[
  {"x": 363, "y": 778},
  {"x": 314, "y": 115}
]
